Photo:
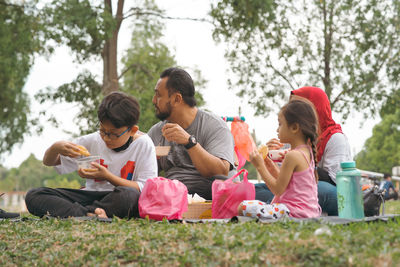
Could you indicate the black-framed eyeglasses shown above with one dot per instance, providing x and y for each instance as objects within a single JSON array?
[{"x": 113, "y": 136}]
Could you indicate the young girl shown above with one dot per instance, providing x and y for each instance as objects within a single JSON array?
[{"x": 294, "y": 184}]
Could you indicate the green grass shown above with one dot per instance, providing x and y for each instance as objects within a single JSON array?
[
  {"x": 392, "y": 207},
  {"x": 139, "y": 242}
]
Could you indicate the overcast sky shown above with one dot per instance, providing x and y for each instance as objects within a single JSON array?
[{"x": 192, "y": 44}]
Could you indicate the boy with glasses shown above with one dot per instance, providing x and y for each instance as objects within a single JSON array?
[{"x": 127, "y": 160}]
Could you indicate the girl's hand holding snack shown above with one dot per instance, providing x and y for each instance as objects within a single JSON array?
[
  {"x": 275, "y": 152},
  {"x": 274, "y": 144},
  {"x": 256, "y": 158},
  {"x": 269, "y": 162},
  {"x": 263, "y": 150}
]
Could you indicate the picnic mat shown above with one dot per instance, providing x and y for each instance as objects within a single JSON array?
[{"x": 46, "y": 217}]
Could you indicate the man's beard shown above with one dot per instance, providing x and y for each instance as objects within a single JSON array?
[{"x": 163, "y": 115}]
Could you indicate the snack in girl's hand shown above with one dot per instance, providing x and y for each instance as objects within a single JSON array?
[
  {"x": 83, "y": 150},
  {"x": 263, "y": 150}
]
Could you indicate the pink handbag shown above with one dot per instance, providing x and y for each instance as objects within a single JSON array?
[
  {"x": 227, "y": 195},
  {"x": 163, "y": 198}
]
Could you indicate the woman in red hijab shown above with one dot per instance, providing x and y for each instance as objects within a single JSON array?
[{"x": 332, "y": 145}]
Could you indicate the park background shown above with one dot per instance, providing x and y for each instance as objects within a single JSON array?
[
  {"x": 28, "y": 67},
  {"x": 191, "y": 45}
]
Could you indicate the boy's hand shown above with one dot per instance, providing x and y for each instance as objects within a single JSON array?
[
  {"x": 67, "y": 149},
  {"x": 175, "y": 133},
  {"x": 97, "y": 172}
]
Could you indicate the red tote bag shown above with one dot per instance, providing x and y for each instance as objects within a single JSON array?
[
  {"x": 227, "y": 195},
  {"x": 163, "y": 198}
]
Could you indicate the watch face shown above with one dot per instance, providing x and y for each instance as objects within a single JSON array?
[{"x": 191, "y": 142}]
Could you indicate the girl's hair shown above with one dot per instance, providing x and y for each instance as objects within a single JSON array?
[{"x": 301, "y": 111}]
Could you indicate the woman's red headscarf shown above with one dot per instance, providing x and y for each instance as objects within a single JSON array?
[{"x": 327, "y": 125}]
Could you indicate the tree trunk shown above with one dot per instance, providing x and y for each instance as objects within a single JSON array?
[
  {"x": 109, "y": 53},
  {"x": 327, "y": 48}
]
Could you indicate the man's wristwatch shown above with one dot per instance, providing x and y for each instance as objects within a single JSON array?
[{"x": 192, "y": 142}]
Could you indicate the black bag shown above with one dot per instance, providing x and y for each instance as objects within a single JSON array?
[{"x": 373, "y": 198}]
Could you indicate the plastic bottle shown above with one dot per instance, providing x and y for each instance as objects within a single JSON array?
[{"x": 349, "y": 195}]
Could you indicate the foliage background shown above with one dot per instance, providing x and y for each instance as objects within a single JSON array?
[
  {"x": 347, "y": 48},
  {"x": 32, "y": 173},
  {"x": 19, "y": 42},
  {"x": 241, "y": 12}
]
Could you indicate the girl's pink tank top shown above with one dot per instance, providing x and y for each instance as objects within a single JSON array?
[{"x": 301, "y": 194}]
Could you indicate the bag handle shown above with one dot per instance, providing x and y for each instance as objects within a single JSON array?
[{"x": 245, "y": 173}]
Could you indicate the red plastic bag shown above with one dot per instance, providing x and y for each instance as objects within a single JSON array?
[
  {"x": 163, "y": 198},
  {"x": 243, "y": 140},
  {"x": 227, "y": 195}
]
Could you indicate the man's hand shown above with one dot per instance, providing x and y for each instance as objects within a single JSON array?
[{"x": 175, "y": 133}]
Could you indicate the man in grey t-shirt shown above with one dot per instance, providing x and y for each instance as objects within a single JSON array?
[{"x": 202, "y": 147}]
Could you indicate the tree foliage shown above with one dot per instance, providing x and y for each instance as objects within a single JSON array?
[
  {"x": 146, "y": 58},
  {"x": 82, "y": 25},
  {"x": 85, "y": 27},
  {"x": 350, "y": 48},
  {"x": 84, "y": 92},
  {"x": 20, "y": 40},
  {"x": 144, "y": 61},
  {"x": 381, "y": 152},
  {"x": 32, "y": 173},
  {"x": 391, "y": 105},
  {"x": 91, "y": 31}
]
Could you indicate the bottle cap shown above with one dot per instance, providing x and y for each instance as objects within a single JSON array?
[{"x": 348, "y": 164}]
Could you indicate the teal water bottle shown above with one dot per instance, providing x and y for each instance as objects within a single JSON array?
[{"x": 349, "y": 195}]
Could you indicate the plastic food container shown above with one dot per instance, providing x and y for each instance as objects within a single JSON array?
[
  {"x": 85, "y": 162},
  {"x": 275, "y": 155}
]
